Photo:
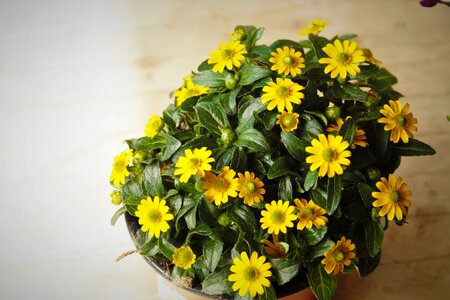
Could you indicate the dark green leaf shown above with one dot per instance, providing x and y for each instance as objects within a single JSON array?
[
  {"x": 322, "y": 284},
  {"x": 253, "y": 140},
  {"x": 211, "y": 116},
  {"x": 132, "y": 189},
  {"x": 334, "y": 192},
  {"x": 284, "y": 269},
  {"x": 374, "y": 237},
  {"x": 313, "y": 236},
  {"x": 382, "y": 80},
  {"x": 294, "y": 145},
  {"x": 354, "y": 93},
  {"x": 353, "y": 207},
  {"x": 210, "y": 79},
  {"x": 175, "y": 203},
  {"x": 243, "y": 216},
  {"x": 117, "y": 214},
  {"x": 348, "y": 130},
  {"x": 201, "y": 229},
  {"x": 191, "y": 218},
  {"x": 151, "y": 180},
  {"x": 217, "y": 283},
  {"x": 131, "y": 204},
  {"x": 280, "y": 167},
  {"x": 150, "y": 248},
  {"x": 281, "y": 43},
  {"x": 166, "y": 248},
  {"x": 228, "y": 101},
  {"x": 172, "y": 145},
  {"x": 147, "y": 143},
  {"x": 365, "y": 191},
  {"x": 251, "y": 73},
  {"x": 247, "y": 108},
  {"x": 311, "y": 128},
  {"x": 361, "y": 159},
  {"x": 381, "y": 141},
  {"x": 285, "y": 188},
  {"x": 254, "y": 36},
  {"x": 367, "y": 265},
  {"x": 318, "y": 43},
  {"x": 212, "y": 252},
  {"x": 311, "y": 180},
  {"x": 239, "y": 160},
  {"x": 413, "y": 148}
]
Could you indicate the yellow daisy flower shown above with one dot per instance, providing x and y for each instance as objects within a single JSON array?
[
  {"x": 342, "y": 59},
  {"x": 310, "y": 214},
  {"x": 360, "y": 135},
  {"x": 339, "y": 256},
  {"x": 153, "y": 216},
  {"x": 315, "y": 27},
  {"x": 288, "y": 121},
  {"x": 282, "y": 94},
  {"x": 250, "y": 188},
  {"x": 154, "y": 126},
  {"x": 228, "y": 55},
  {"x": 219, "y": 188},
  {"x": 398, "y": 120},
  {"x": 119, "y": 171},
  {"x": 193, "y": 163},
  {"x": 250, "y": 274},
  {"x": 275, "y": 250},
  {"x": 392, "y": 197},
  {"x": 328, "y": 154},
  {"x": 286, "y": 61},
  {"x": 183, "y": 257},
  {"x": 277, "y": 217},
  {"x": 189, "y": 90}
]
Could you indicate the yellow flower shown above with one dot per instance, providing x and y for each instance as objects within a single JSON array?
[
  {"x": 183, "y": 257},
  {"x": 286, "y": 61},
  {"x": 315, "y": 27},
  {"x": 228, "y": 55},
  {"x": 339, "y": 256},
  {"x": 392, "y": 197},
  {"x": 119, "y": 171},
  {"x": 250, "y": 188},
  {"x": 310, "y": 214},
  {"x": 328, "y": 154},
  {"x": 343, "y": 58},
  {"x": 369, "y": 57},
  {"x": 288, "y": 121},
  {"x": 154, "y": 126},
  {"x": 281, "y": 94},
  {"x": 237, "y": 35},
  {"x": 189, "y": 90},
  {"x": 153, "y": 216},
  {"x": 250, "y": 274},
  {"x": 193, "y": 163},
  {"x": 398, "y": 120},
  {"x": 278, "y": 216},
  {"x": 219, "y": 188},
  {"x": 275, "y": 250},
  {"x": 360, "y": 135}
]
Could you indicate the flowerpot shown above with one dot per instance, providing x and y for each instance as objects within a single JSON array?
[{"x": 296, "y": 289}]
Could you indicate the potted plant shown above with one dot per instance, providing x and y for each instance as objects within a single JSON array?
[{"x": 273, "y": 170}]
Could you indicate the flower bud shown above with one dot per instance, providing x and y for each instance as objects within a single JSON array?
[
  {"x": 116, "y": 197},
  {"x": 227, "y": 136},
  {"x": 372, "y": 99},
  {"x": 138, "y": 157},
  {"x": 374, "y": 173},
  {"x": 230, "y": 81},
  {"x": 333, "y": 113},
  {"x": 224, "y": 220}
]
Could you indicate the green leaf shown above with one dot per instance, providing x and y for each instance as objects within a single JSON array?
[
  {"x": 284, "y": 269},
  {"x": 334, "y": 192},
  {"x": 217, "y": 283},
  {"x": 188, "y": 204},
  {"x": 269, "y": 294},
  {"x": 318, "y": 43},
  {"x": 412, "y": 148},
  {"x": 313, "y": 236},
  {"x": 132, "y": 189},
  {"x": 281, "y": 43},
  {"x": 239, "y": 160},
  {"x": 149, "y": 248},
  {"x": 191, "y": 218},
  {"x": 253, "y": 140},
  {"x": 212, "y": 251},
  {"x": 210, "y": 79},
  {"x": 211, "y": 116},
  {"x": 365, "y": 191},
  {"x": 367, "y": 265},
  {"x": 117, "y": 214},
  {"x": 131, "y": 204},
  {"x": 353, "y": 207},
  {"x": 374, "y": 237},
  {"x": 172, "y": 145},
  {"x": 382, "y": 80},
  {"x": 381, "y": 141},
  {"x": 228, "y": 101},
  {"x": 285, "y": 188},
  {"x": 253, "y": 37},
  {"x": 147, "y": 143},
  {"x": 166, "y": 248},
  {"x": 311, "y": 180},
  {"x": 247, "y": 108},
  {"x": 322, "y": 284},
  {"x": 280, "y": 167},
  {"x": 151, "y": 180},
  {"x": 319, "y": 249},
  {"x": 201, "y": 229},
  {"x": 311, "y": 128},
  {"x": 353, "y": 93},
  {"x": 294, "y": 145},
  {"x": 251, "y": 73},
  {"x": 348, "y": 130},
  {"x": 348, "y": 36},
  {"x": 243, "y": 216}
]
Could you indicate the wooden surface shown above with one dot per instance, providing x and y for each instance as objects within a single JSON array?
[{"x": 78, "y": 77}]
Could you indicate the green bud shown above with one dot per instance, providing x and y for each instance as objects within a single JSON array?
[
  {"x": 138, "y": 157},
  {"x": 198, "y": 185},
  {"x": 230, "y": 81},
  {"x": 341, "y": 80},
  {"x": 375, "y": 212},
  {"x": 224, "y": 220},
  {"x": 372, "y": 99},
  {"x": 227, "y": 136},
  {"x": 116, "y": 197},
  {"x": 374, "y": 173},
  {"x": 333, "y": 113}
]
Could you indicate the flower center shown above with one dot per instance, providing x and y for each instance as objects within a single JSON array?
[
  {"x": 250, "y": 186},
  {"x": 288, "y": 121},
  {"x": 227, "y": 54},
  {"x": 288, "y": 60},
  {"x": 184, "y": 257},
  {"x": 277, "y": 217},
  {"x": 328, "y": 154},
  {"x": 394, "y": 196},
  {"x": 194, "y": 163},
  {"x": 154, "y": 216},
  {"x": 343, "y": 58},
  {"x": 339, "y": 256},
  {"x": 308, "y": 212},
  {"x": 284, "y": 91},
  {"x": 120, "y": 164},
  {"x": 400, "y": 120},
  {"x": 250, "y": 274},
  {"x": 221, "y": 184}
]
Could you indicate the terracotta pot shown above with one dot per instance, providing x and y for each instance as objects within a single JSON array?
[{"x": 296, "y": 289}]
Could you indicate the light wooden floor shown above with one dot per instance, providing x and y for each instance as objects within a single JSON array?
[{"x": 77, "y": 78}]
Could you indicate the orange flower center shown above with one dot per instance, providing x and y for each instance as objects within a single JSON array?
[
  {"x": 250, "y": 186},
  {"x": 288, "y": 121},
  {"x": 400, "y": 120},
  {"x": 394, "y": 196},
  {"x": 338, "y": 255},
  {"x": 221, "y": 184},
  {"x": 328, "y": 154},
  {"x": 288, "y": 61},
  {"x": 277, "y": 217}
]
